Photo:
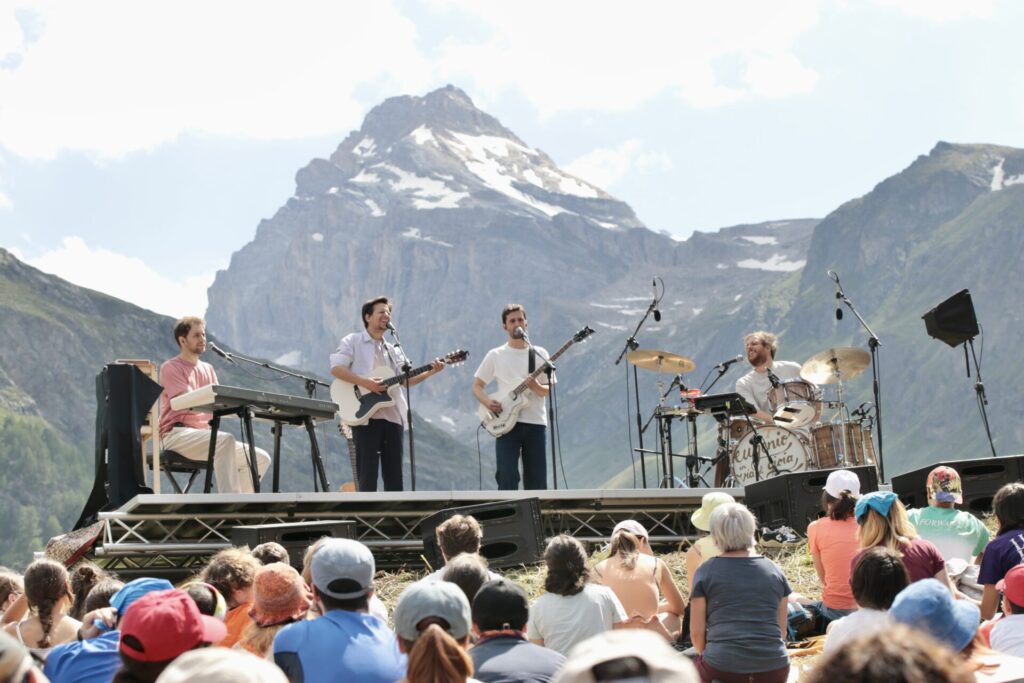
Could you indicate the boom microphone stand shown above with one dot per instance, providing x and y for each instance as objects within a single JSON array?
[{"x": 406, "y": 369}]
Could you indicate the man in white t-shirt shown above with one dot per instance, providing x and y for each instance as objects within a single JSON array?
[
  {"x": 508, "y": 365},
  {"x": 756, "y": 384}
]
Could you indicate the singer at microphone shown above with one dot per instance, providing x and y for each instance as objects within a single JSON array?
[{"x": 767, "y": 375}]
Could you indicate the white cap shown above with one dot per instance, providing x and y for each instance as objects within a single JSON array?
[
  {"x": 842, "y": 480},
  {"x": 632, "y": 526},
  {"x": 221, "y": 665},
  {"x": 663, "y": 663}
]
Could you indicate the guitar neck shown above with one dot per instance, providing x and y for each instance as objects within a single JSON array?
[
  {"x": 543, "y": 366},
  {"x": 400, "y": 377}
]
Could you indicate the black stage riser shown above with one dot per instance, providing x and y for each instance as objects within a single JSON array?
[
  {"x": 795, "y": 499},
  {"x": 980, "y": 477}
]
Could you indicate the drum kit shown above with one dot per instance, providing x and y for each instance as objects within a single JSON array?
[{"x": 796, "y": 440}]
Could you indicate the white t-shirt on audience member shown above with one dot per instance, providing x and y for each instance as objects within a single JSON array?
[
  {"x": 859, "y": 623},
  {"x": 1008, "y": 635},
  {"x": 561, "y": 621}
]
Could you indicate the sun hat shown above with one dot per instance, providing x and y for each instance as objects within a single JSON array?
[
  {"x": 439, "y": 599},
  {"x": 879, "y": 501},
  {"x": 632, "y": 526},
  {"x": 661, "y": 661},
  {"x": 1012, "y": 585},
  {"x": 135, "y": 589},
  {"x": 342, "y": 559},
  {"x": 279, "y": 595},
  {"x": 702, "y": 517},
  {"x": 842, "y": 480},
  {"x": 944, "y": 485},
  {"x": 221, "y": 665},
  {"x": 163, "y": 624},
  {"x": 500, "y": 605},
  {"x": 929, "y": 606}
]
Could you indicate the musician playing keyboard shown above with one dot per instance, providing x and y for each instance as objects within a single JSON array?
[{"x": 187, "y": 432}]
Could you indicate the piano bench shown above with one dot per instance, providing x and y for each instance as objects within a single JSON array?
[{"x": 173, "y": 463}]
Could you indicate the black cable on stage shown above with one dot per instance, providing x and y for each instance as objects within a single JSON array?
[{"x": 557, "y": 432}]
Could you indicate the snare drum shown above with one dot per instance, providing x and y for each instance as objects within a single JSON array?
[
  {"x": 789, "y": 451},
  {"x": 793, "y": 403},
  {"x": 828, "y": 450},
  {"x": 733, "y": 430}
]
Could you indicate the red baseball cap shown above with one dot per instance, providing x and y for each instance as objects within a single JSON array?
[
  {"x": 1012, "y": 585},
  {"x": 161, "y": 625}
]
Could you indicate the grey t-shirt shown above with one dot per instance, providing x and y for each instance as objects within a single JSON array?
[
  {"x": 754, "y": 386},
  {"x": 743, "y": 595}
]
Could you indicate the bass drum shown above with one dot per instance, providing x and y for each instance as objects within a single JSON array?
[
  {"x": 789, "y": 451},
  {"x": 828, "y": 445}
]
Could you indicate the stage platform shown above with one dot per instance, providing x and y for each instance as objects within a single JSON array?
[{"x": 174, "y": 535}]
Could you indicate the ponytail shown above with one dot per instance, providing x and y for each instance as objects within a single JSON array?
[
  {"x": 436, "y": 657},
  {"x": 627, "y": 546}
]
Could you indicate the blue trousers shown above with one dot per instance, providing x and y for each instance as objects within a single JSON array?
[{"x": 526, "y": 440}]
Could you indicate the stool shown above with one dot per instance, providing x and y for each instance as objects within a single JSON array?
[{"x": 173, "y": 463}]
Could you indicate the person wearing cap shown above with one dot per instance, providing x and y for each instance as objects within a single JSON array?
[
  {"x": 457, "y": 535},
  {"x": 1006, "y": 550},
  {"x": 832, "y": 542},
  {"x": 346, "y": 643},
  {"x": 960, "y": 536},
  {"x": 433, "y": 623},
  {"x": 1006, "y": 634},
  {"x": 878, "y": 577},
  {"x": 502, "y": 653},
  {"x": 220, "y": 665},
  {"x": 637, "y": 577},
  {"x": 157, "y": 628},
  {"x": 628, "y": 655},
  {"x": 279, "y": 598},
  {"x": 882, "y": 521}
]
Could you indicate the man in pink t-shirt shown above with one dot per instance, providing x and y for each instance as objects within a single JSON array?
[{"x": 188, "y": 432}]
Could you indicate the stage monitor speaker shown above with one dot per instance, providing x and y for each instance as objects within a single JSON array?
[
  {"x": 795, "y": 499},
  {"x": 953, "y": 321},
  {"x": 295, "y": 537},
  {"x": 980, "y": 478},
  {"x": 513, "y": 534}
]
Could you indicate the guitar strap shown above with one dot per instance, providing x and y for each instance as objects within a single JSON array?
[{"x": 531, "y": 364}]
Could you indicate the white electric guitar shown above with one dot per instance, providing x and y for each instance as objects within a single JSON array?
[
  {"x": 357, "y": 405},
  {"x": 514, "y": 401}
]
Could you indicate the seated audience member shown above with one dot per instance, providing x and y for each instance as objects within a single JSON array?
[
  {"x": 217, "y": 665},
  {"x": 883, "y": 522},
  {"x": 346, "y": 643},
  {"x": 157, "y": 628},
  {"x": 101, "y": 595},
  {"x": 626, "y": 655},
  {"x": 82, "y": 578},
  {"x": 832, "y": 542},
  {"x": 1006, "y": 550},
  {"x": 433, "y": 624},
  {"x": 738, "y": 608},
  {"x": 637, "y": 577},
  {"x": 896, "y": 655},
  {"x": 270, "y": 552},
  {"x": 279, "y": 598},
  {"x": 1007, "y": 634},
  {"x": 572, "y": 609},
  {"x": 16, "y": 663},
  {"x": 927, "y": 605},
  {"x": 704, "y": 548},
  {"x": 207, "y": 598},
  {"x": 467, "y": 571},
  {"x": 456, "y": 535},
  {"x": 93, "y": 655},
  {"x": 878, "y": 577},
  {"x": 11, "y": 586},
  {"x": 502, "y": 653},
  {"x": 377, "y": 606},
  {"x": 232, "y": 571},
  {"x": 48, "y": 596}
]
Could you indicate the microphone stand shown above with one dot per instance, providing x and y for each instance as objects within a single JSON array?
[
  {"x": 632, "y": 345},
  {"x": 876, "y": 383},
  {"x": 406, "y": 369},
  {"x": 722, "y": 451}
]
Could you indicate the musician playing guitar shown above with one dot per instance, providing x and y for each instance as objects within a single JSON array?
[
  {"x": 379, "y": 441},
  {"x": 507, "y": 365}
]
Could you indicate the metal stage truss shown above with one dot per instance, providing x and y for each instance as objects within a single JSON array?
[{"x": 174, "y": 535}]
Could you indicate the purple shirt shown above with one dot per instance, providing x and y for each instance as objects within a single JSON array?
[
  {"x": 921, "y": 559},
  {"x": 1003, "y": 553}
]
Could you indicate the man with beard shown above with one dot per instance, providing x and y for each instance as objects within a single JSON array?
[
  {"x": 756, "y": 384},
  {"x": 187, "y": 432}
]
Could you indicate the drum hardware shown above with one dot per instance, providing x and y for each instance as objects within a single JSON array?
[
  {"x": 832, "y": 366},
  {"x": 660, "y": 361}
]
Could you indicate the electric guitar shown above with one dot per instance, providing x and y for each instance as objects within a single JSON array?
[
  {"x": 514, "y": 401},
  {"x": 357, "y": 405}
]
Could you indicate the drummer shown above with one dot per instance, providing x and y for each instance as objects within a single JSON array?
[{"x": 757, "y": 384}]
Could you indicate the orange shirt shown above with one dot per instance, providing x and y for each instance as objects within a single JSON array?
[
  {"x": 236, "y": 620},
  {"x": 835, "y": 543}
]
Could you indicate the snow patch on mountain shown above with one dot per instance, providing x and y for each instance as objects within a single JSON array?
[
  {"x": 422, "y": 136},
  {"x": 428, "y": 193},
  {"x": 760, "y": 239},
  {"x": 364, "y": 147},
  {"x": 415, "y": 234},
  {"x": 776, "y": 262},
  {"x": 375, "y": 209}
]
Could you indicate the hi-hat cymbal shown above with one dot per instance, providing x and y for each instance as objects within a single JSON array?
[
  {"x": 849, "y": 360},
  {"x": 660, "y": 361}
]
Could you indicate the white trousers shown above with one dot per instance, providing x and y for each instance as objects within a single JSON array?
[{"x": 230, "y": 464}]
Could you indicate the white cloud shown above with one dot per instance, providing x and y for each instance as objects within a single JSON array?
[
  {"x": 604, "y": 167},
  {"x": 5, "y": 202},
  {"x": 942, "y": 10},
  {"x": 125, "y": 277}
]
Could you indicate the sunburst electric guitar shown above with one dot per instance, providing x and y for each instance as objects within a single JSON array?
[
  {"x": 357, "y": 405},
  {"x": 514, "y": 401}
]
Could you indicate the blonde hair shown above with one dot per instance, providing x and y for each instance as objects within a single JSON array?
[
  {"x": 627, "y": 546},
  {"x": 893, "y": 531},
  {"x": 436, "y": 657},
  {"x": 766, "y": 338}
]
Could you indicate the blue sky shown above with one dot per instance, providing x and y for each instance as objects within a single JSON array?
[{"x": 142, "y": 143}]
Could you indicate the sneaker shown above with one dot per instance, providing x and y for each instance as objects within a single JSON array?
[{"x": 779, "y": 537}]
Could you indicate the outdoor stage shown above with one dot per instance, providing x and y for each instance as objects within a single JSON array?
[{"x": 174, "y": 535}]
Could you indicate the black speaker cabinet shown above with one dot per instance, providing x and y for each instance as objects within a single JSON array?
[
  {"x": 953, "y": 321},
  {"x": 981, "y": 478},
  {"x": 512, "y": 532},
  {"x": 795, "y": 499},
  {"x": 294, "y": 537}
]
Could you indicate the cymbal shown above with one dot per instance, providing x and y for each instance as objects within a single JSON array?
[
  {"x": 660, "y": 361},
  {"x": 820, "y": 368}
]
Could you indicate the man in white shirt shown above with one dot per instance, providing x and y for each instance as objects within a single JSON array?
[
  {"x": 756, "y": 384},
  {"x": 508, "y": 365}
]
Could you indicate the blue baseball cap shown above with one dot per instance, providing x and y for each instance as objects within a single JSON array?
[
  {"x": 880, "y": 501},
  {"x": 929, "y": 606},
  {"x": 133, "y": 590}
]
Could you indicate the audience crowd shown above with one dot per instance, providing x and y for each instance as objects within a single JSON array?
[{"x": 918, "y": 595}]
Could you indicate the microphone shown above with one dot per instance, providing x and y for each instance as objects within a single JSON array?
[
  {"x": 839, "y": 294},
  {"x": 220, "y": 352},
  {"x": 391, "y": 328},
  {"x": 728, "y": 363},
  {"x": 657, "y": 313},
  {"x": 773, "y": 379},
  {"x": 519, "y": 333}
]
